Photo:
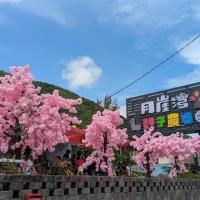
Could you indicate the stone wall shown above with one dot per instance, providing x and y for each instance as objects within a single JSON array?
[{"x": 98, "y": 188}]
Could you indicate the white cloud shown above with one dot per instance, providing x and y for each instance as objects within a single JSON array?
[
  {"x": 148, "y": 14},
  {"x": 191, "y": 55},
  {"x": 192, "y": 77},
  {"x": 122, "y": 111},
  {"x": 136, "y": 14},
  {"x": 53, "y": 10},
  {"x": 81, "y": 72}
]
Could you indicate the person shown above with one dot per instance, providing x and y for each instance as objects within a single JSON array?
[
  {"x": 28, "y": 166},
  {"x": 91, "y": 169},
  {"x": 58, "y": 162},
  {"x": 57, "y": 166},
  {"x": 66, "y": 155},
  {"x": 73, "y": 163},
  {"x": 128, "y": 170},
  {"x": 79, "y": 164}
]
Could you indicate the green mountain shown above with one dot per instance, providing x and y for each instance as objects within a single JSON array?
[
  {"x": 85, "y": 110},
  {"x": 2, "y": 73}
]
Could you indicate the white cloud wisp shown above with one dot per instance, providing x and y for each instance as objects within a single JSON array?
[
  {"x": 191, "y": 55},
  {"x": 52, "y": 10},
  {"x": 149, "y": 14}
]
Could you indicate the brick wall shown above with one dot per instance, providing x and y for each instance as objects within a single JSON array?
[{"x": 98, "y": 188}]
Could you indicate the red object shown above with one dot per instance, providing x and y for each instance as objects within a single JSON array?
[
  {"x": 79, "y": 163},
  {"x": 30, "y": 196},
  {"x": 76, "y": 135}
]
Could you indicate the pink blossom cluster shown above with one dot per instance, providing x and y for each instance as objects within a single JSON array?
[
  {"x": 103, "y": 136},
  {"x": 30, "y": 119},
  {"x": 147, "y": 149},
  {"x": 152, "y": 146},
  {"x": 177, "y": 150},
  {"x": 194, "y": 144}
]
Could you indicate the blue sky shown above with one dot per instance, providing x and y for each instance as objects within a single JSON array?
[{"x": 95, "y": 47}]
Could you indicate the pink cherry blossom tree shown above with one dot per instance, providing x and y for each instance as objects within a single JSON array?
[
  {"x": 146, "y": 155},
  {"x": 177, "y": 150},
  {"x": 29, "y": 119},
  {"x": 152, "y": 146},
  {"x": 103, "y": 136}
]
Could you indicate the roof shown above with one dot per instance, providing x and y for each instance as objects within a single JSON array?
[{"x": 76, "y": 135}]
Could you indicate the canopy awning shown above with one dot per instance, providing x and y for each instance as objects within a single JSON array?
[{"x": 76, "y": 135}]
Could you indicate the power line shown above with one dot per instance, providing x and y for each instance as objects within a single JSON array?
[{"x": 156, "y": 67}]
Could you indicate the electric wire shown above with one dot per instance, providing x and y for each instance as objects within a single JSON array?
[{"x": 155, "y": 67}]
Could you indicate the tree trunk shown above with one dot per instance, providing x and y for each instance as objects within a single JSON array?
[
  {"x": 176, "y": 165},
  {"x": 148, "y": 173},
  {"x": 105, "y": 137}
]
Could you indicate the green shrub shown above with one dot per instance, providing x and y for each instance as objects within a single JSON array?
[
  {"x": 10, "y": 168},
  {"x": 122, "y": 159},
  {"x": 189, "y": 175}
]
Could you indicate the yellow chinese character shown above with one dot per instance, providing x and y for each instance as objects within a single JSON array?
[{"x": 173, "y": 120}]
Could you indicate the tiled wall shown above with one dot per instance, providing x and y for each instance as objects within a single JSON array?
[{"x": 98, "y": 188}]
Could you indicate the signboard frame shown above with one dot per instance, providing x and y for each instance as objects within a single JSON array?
[{"x": 137, "y": 106}]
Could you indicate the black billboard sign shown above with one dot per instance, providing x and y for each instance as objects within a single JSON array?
[{"x": 168, "y": 111}]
